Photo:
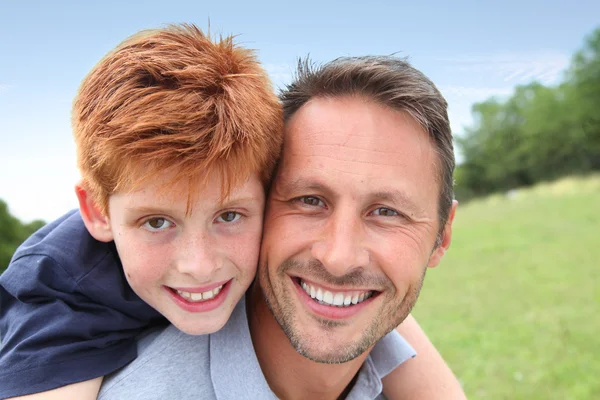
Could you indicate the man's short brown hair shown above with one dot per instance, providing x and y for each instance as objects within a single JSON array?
[
  {"x": 175, "y": 100},
  {"x": 392, "y": 82}
]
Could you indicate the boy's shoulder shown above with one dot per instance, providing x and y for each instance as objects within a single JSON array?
[{"x": 66, "y": 243}]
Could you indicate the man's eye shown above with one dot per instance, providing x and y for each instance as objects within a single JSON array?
[
  {"x": 311, "y": 201},
  {"x": 157, "y": 224},
  {"x": 385, "y": 212},
  {"x": 229, "y": 216}
]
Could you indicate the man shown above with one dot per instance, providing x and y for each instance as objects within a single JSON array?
[{"x": 361, "y": 205}]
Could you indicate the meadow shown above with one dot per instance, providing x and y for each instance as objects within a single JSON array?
[{"x": 514, "y": 305}]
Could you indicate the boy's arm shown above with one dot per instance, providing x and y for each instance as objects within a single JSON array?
[
  {"x": 56, "y": 332},
  {"x": 426, "y": 376},
  {"x": 87, "y": 390}
]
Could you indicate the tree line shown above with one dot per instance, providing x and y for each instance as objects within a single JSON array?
[
  {"x": 12, "y": 233},
  {"x": 539, "y": 133}
]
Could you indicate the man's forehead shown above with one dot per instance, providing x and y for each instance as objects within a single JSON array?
[
  {"x": 349, "y": 142},
  {"x": 355, "y": 125}
]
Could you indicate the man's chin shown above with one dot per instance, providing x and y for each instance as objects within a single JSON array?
[
  {"x": 336, "y": 351},
  {"x": 328, "y": 344}
]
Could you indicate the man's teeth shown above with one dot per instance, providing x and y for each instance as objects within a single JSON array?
[
  {"x": 200, "y": 296},
  {"x": 339, "y": 299}
]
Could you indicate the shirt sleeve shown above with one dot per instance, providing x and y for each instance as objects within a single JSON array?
[{"x": 54, "y": 334}]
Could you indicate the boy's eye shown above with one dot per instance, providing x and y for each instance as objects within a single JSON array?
[
  {"x": 311, "y": 201},
  {"x": 229, "y": 216},
  {"x": 385, "y": 212},
  {"x": 157, "y": 224}
]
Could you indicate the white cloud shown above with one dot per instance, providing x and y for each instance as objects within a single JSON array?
[
  {"x": 468, "y": 79},
  {"x": 545, "y": 66}
]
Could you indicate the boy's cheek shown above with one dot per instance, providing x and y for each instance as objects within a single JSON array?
[
  {"x": 244, "y": 251},
  {"x": 143, "y": 264}
]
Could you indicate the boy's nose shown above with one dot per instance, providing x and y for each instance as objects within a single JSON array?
[{"x": 197, "y": 257}]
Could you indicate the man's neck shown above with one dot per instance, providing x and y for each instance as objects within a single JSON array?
[{"x": 290, "y": 375}]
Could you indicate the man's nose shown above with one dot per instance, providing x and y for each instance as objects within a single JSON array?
[
  {"x": 340, "y": 247},
  {"x": 197, "y": 256}
]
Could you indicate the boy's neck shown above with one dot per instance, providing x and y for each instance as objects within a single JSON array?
[{"x": 290, "y": 375}]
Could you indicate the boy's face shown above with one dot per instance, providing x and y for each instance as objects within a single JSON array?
[{"x": 191, "y": 268}]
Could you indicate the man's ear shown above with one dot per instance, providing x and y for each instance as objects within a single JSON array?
[
  {"x": 97, "y": 224},
  {"x": 445, "y": 239}
]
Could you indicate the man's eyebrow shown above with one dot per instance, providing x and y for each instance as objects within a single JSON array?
[
  {"x": 394, "y": 196},
  {"x": 302, "y": 184},
  {"x": 398, "y": 197}
]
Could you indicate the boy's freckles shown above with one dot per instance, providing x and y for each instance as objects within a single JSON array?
[{"x": 191, "y": 262}]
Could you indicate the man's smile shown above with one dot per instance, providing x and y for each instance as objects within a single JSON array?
[
  {"x": 331, "y": 297},
  {"x": 332, "y": 303}
]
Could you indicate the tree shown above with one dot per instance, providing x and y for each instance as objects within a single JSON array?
[
  {"x": 539, "y": 133},
  {"x": 12, "y": 233}
]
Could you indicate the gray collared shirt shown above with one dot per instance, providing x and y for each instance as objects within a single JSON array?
[{"x": 223, "y": 365}]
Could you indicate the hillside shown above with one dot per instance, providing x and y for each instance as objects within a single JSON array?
[{"x": 514, "y": 306}]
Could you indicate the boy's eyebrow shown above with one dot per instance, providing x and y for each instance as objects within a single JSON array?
[
  {"x": 238, "y": 200},
  {"x": 148, "y": 209},
  {"x": 165, "y": 210}
]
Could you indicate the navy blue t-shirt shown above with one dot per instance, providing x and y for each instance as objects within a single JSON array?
[{"x": 67, "y": 313}]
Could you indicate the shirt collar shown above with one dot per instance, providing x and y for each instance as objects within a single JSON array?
[{"x": 234, "y": 368}]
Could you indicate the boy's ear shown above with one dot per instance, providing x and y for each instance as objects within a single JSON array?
[
  {"x": 97, "y": 224},
  {"x": 445, "y": 239}
]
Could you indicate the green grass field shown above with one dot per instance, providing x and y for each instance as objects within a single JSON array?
[{"x": 514, "y": 306}]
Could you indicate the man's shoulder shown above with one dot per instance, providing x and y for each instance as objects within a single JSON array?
[
  {"x": 170, "y": 365},
  {"x": 387, "y": 354}
]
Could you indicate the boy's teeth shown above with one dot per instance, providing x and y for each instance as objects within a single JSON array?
[
  {"x": 338, "y": 299},
  {"x": 200, "y": 296}
]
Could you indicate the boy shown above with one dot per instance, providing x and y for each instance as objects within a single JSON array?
[{"x": 176, "y": 139}]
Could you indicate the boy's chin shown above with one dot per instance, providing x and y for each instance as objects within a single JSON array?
[
  {"x": 203, "y": 323},
  {"x": 202, "y": 326}
]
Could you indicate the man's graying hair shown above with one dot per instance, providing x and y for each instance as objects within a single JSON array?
[{"x": 392, "y": 82}]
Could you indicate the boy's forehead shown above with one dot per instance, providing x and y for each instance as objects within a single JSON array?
[{"x": 166, "y": 189}]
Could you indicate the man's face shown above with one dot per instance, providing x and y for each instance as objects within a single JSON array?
[
  {"x": 192, "y": 268},
  {"x": 350, "y": 227}
]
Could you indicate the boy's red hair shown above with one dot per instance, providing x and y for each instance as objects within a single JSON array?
[{"x": 174, "y": 100}]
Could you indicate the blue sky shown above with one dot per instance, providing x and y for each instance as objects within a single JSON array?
[{"x": 471, "y": 49}]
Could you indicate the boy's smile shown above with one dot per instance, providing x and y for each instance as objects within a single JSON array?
[{"x": 200, "y": 299}]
